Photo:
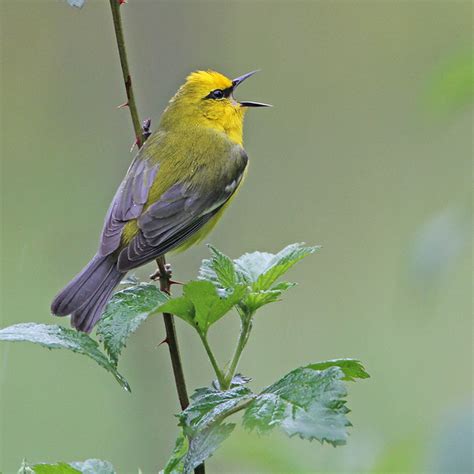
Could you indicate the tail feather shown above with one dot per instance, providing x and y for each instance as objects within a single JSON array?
[
  {"x": 87, "y": 316},
  {"x": 86, "y": 295}
]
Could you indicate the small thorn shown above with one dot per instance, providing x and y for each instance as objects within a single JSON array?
[
  {"x": 164, "y": 341},
  {"x": 122, "y": 106},
  {"x": 174, "y": 282},
  {"x": 135, "y": 144},
  {"x": 121, "y": 2}
]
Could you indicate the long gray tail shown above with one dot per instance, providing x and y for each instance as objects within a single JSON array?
[{"x": 86, "y": 295}]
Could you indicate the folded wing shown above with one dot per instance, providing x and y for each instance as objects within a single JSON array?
[
  {"x": 127, "y": 203},
  {"x": 180, "y": 212}
]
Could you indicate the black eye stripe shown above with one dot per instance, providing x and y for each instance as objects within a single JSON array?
[{"x": 216, "y": 94}]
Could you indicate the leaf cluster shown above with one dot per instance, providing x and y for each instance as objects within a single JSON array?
[
  {"x": 258, "y": 272},
  {"x": 308, "y": 402},
  {"x": 247, "y": 282}
]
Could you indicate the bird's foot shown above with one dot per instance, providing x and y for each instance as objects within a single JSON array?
[
  {"x": 146, "y": 132},
  {"x": 157, "y": 274},
  {"x": 146, "y": 125}
]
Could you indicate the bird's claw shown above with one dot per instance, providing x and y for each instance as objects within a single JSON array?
[
  {"x": 146, "y": 132},
  {"x": 157, "y": 274}
]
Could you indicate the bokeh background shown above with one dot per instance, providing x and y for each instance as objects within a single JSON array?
[{"x": 367, "y": 152}]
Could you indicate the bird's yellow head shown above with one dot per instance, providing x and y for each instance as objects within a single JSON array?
[{"x": 207, "y": 99}]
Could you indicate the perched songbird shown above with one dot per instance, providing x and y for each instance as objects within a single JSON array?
[{"x": 174, "y": 192}]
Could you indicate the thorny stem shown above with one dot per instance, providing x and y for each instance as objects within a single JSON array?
[
  {"x": 171, "y": 337},
  {"x": 127, "y": 78},
  {"x": 141, "y": 135}
]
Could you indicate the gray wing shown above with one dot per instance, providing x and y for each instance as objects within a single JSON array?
[
  {"x": 127, "y": 203},
  {"x": 180, "y": 212}
]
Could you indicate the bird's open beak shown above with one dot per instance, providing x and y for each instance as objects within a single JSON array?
[{"x": 241, "y": 79}]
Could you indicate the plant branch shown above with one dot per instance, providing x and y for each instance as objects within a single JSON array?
[
  {"x": 171, "y": 337},
  {"x": 212, "y": 358},
  {"x": 127, "y": 78},
  {"x": 245, "y": 328},
  {"x": 141, "y": 135}
]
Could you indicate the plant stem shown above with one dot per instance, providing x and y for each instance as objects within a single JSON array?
[
  {"x": 127, "y": 78},
  {"x": 165, "y": 286},
  {"x": 172, "y": 340},
  {"x": 212, "y": 358},
  {"x": 141, "y": 136},
  {"x": 171, "y": 337},
  {"x": 245, "y": 328}
]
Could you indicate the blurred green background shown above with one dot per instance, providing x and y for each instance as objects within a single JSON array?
[{"x": 366, "y": 152}]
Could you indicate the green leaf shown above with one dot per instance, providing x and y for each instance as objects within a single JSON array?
[
  {"x": 181, "y": 307},
  {"x": 190, "y": 452},
  {"x": 204, "y": 297},
  {"x": 201, "y": 305},
  {"x": 252, "y": 265},
  {"x": 258, "y": 271},
  {"x": 257, "y": 299},
  {"x": 209, "y": 306},
  {"x": 91, "y": 466},
  {"x": 209, "y": 405},
  {"x": 282, "y": 286},
  {"x": 202, "y": 424},
  {"x": 219, "y": 269},
  {"x": 203, "y": 445},
  {"x": 263, "y": 269},
  {"x": 124, "y": 313},
  {"x": 94, "y": 466},
  {"x": 187, "y": 455},
  {"x": 280, "y": 263},
  {"x": 58, "y": 337},
  {"x": 239, "y": 379},
  {"x": 225, "y": 273},
  {"x": 308, "y": 402},
  {"x": 175, "y": 463},
  {"x": 352, "y": 368},
  {"x": 58, "y": 468}
]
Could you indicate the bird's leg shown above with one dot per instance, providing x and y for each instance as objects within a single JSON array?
[
  {"x": 168, "y": 272},
  {"x": 146, "y": 132}
]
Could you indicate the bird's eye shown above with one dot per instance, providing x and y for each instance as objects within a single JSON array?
[{"x": 217, "y": 94}]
